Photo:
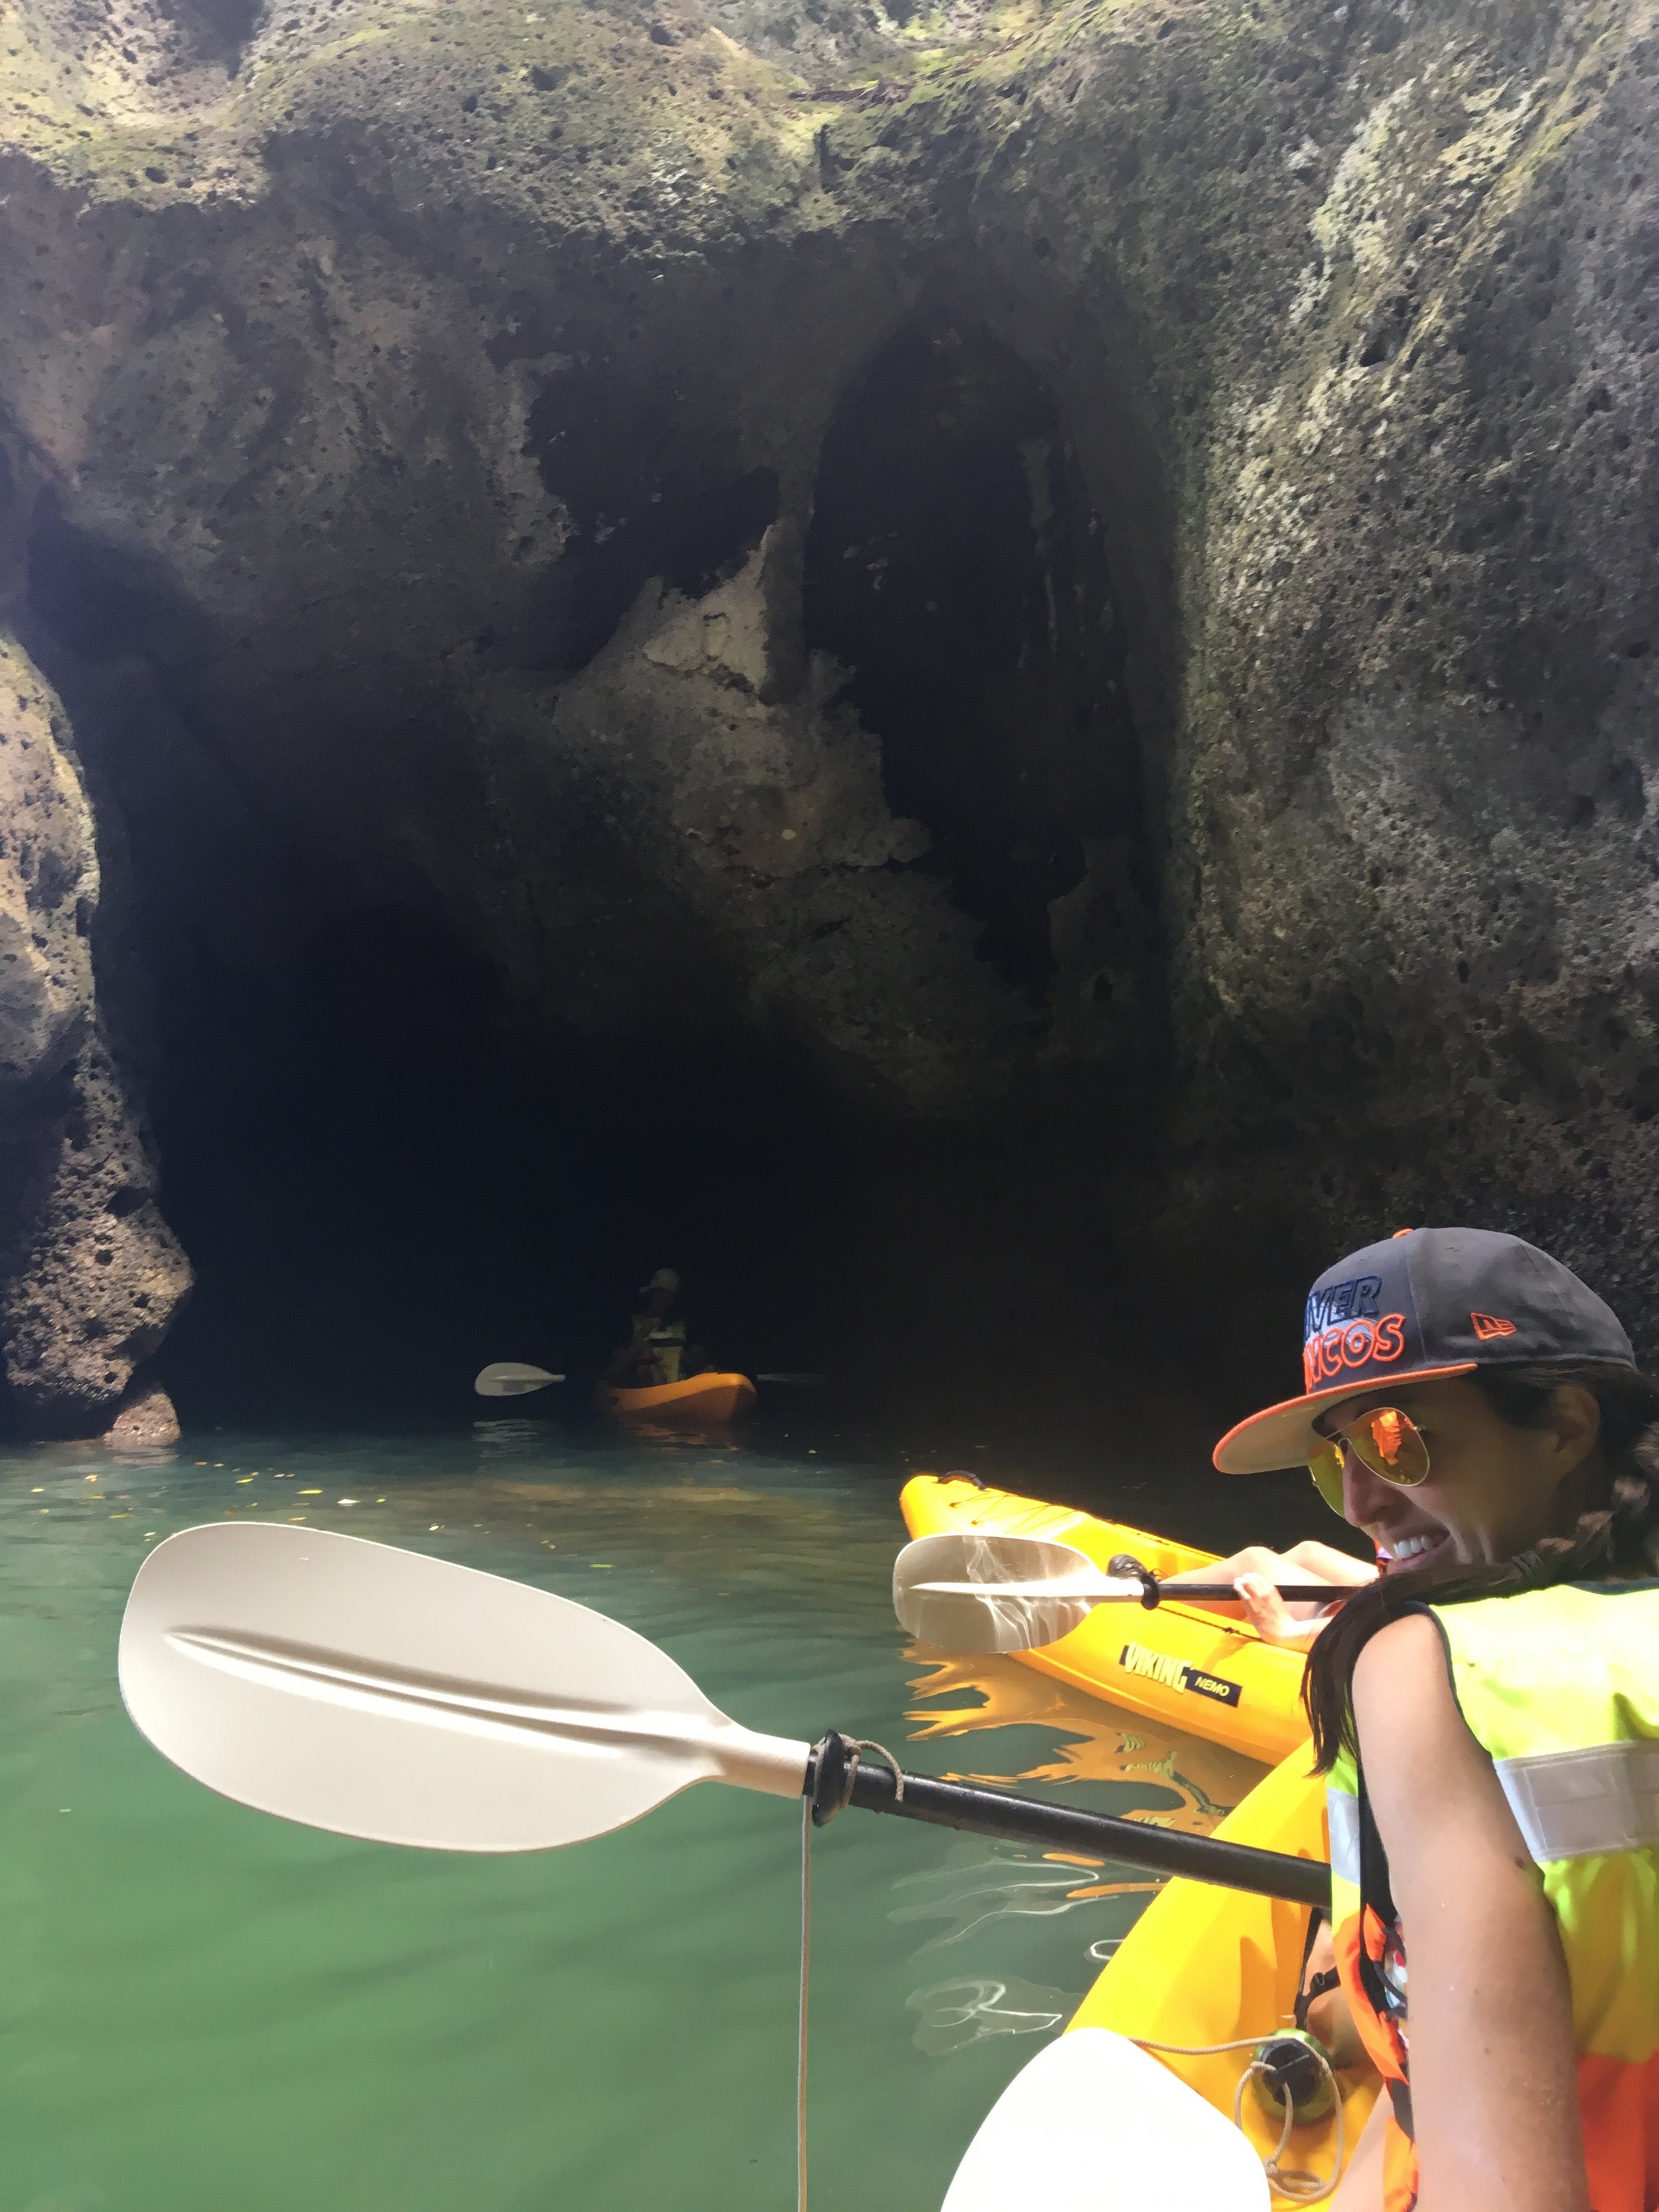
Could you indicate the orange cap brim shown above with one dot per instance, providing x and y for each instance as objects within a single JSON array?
[{"x": 1285, "y": 1436}]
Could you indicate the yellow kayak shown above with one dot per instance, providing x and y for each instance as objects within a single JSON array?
[
  {"x": 1209, "y": 1965},
  {"x": 700, "y": 1402},
  {"x": 1186, "y": 1666}
]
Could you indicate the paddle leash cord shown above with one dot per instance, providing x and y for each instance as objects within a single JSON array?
[
  {"x": 1292, "y": 2181},
  {"x": 815, "y": 1813},
  {"x": 855, "y": 1744},
  {"x": 800, "y": 2023},
  {"x": 829, "y": 1790}
]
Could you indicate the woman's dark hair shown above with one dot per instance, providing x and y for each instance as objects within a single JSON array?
[{"x": 1610, "y": 1542}]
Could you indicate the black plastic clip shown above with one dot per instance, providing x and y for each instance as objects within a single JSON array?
[
  {"x": 1130, "y": 1568},
  {"x": 826, "y": 1780}
]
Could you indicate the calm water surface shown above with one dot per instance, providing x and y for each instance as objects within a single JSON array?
[{"x": 203, "y": 2008}]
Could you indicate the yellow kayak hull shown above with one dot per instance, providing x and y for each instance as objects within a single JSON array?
[
  {"x": 1184, "y": 1666},
  {"x": 1208, "y": 1965},
  {"x": 700, "y": 1402}
]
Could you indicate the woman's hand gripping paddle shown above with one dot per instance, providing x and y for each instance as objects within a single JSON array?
[
  {"x": 511, "y": 1378},
  {"x": 970, "y": 1592},
  {"x": 383, "y": 1693}
]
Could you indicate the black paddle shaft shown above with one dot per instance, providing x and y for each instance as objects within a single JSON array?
[
  {"x": 836, "y": 1777},
  {"x": 1154, "y": 1591},
  {"x": 1192, "y": 1592}
]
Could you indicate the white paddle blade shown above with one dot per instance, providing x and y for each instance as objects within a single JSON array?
[
  {"x": 511, "y": 1378},
  {"x": 381, "y": 1693},
  {"x": 1093, "y": 2123},
  {"x": 994, "y": 1620},
  {"x": 1093, "y": 1590}
]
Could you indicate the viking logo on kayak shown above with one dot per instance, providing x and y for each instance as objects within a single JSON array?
[{"x": 1174, "y": 1675}]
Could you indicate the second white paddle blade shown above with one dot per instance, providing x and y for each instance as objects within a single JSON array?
[
  {"x": 511, "y": 1378},
  {"x": 1093, "y": 2123},
  {"x": 994, "y": 1621},
  {"x": 385, "y": 1694}
]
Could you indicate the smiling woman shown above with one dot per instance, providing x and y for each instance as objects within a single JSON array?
[
  {"x": 1486, "y": 1713},
  {"x": 1463, "y": 1474}
]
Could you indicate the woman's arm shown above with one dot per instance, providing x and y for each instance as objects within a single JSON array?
[
  {"x": 1494, "y": 2096},
  {"x": 1361, "y": 2187},
  {"x": 1306, "y": 1562},
  {"x": 1255, "y": 1571}
]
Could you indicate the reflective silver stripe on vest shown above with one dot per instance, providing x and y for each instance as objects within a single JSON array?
[
  {"x": 1578, "y": 1804},
  {"x": 1343, "y": 1813}
]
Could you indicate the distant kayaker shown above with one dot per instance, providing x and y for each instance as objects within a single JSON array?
[
  {"x": 1487, "y": 1711},
  {"x": 657, "y": 1351}
]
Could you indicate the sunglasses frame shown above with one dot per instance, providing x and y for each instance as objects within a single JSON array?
[{"x": 1328, "y": 1466}]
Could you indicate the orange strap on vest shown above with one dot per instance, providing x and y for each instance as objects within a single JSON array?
[{"x": 1383, "y": 2047}]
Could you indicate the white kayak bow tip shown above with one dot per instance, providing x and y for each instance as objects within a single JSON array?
[{"x": 1109, "y": 2129}]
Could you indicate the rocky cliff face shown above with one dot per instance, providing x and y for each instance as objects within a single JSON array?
[
  {"x": 91, "y": 1274},
  {"x": 1081, "y": 575}
]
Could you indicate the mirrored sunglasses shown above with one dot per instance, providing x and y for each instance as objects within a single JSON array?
[{"x": 1387, "y": 1441}]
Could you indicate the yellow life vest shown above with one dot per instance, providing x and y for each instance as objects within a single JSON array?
[
  {"x": 1560, "y": 1687},
  {"x": 666, "y": 1339}
]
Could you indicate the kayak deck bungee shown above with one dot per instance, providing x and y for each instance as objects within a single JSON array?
[
  {"x": 1205, "y": 1967},
  {"x": 1186, "y": 1666},
  {"x": 697, "y": 1402}
]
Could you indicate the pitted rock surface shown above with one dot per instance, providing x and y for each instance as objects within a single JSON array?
[
  {"x": 426, "y": 409},
  {"x": 90, "y": 1275}
]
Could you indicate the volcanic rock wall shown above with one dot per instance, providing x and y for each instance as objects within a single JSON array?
[
  {"x": 421, "y": 413},
  {"x": 1420, "y": 744},
  {"x": 91, "y": 1274}
]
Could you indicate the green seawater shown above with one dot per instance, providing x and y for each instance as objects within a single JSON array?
[{"x": 204, "y": 2009}]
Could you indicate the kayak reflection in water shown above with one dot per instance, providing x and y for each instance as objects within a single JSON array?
[
  {"x": 656, "y": 1350},
  {"x": 1486, "y": 1709}
]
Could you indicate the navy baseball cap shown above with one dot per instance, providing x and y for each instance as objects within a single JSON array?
[{"x": 1423, "y": 1303}]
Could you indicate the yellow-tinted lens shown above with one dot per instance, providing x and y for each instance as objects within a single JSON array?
[
  {"x": 1326, "y": 1468},
  {"x": 1390, "y": 1444}
]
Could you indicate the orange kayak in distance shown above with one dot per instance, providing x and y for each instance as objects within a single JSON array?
[{"x": 700, "y": 1402}]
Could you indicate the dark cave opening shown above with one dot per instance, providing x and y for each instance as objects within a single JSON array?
[
  {"x": 956, "y": 566},
  {"x": 390, "y": 1165},
  {"x": 386, "y": 1173},
  {"x": 385, "y": 1170},
  {"x": 384, "y": 1183}
]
